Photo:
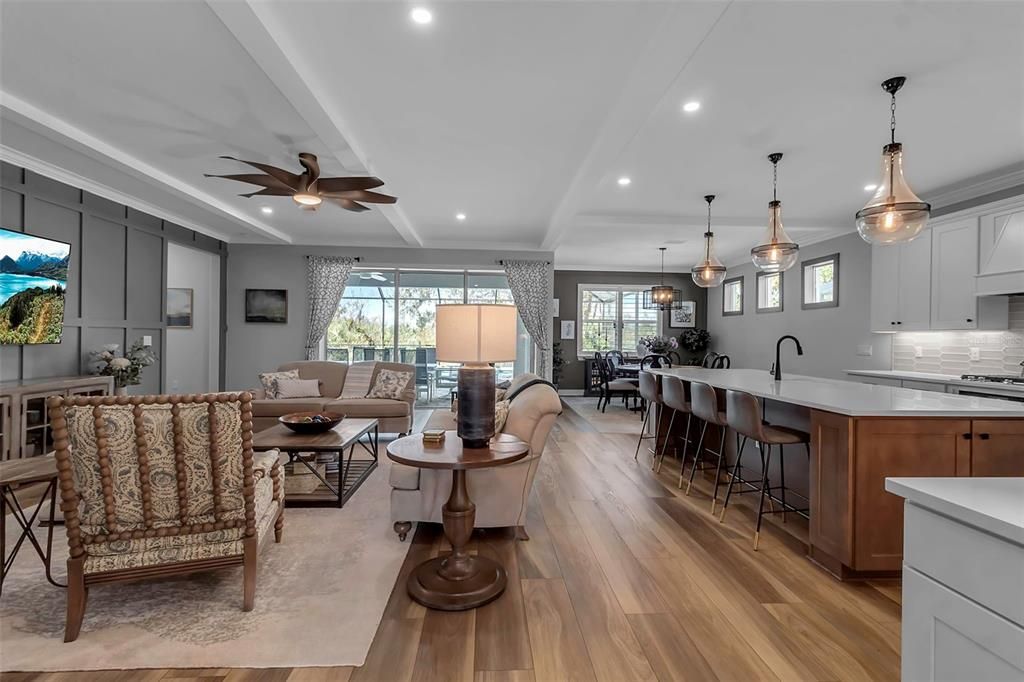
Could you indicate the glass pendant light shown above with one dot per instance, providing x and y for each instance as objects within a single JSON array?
[
  {"x": 776, "y": 252},
  {"x": 663, "y": 296},
  {"x": 894, "y": 214},
  {"x": 709, "y": 272}
]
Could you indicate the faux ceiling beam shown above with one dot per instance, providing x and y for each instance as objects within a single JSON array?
[{"x": 281, "y": 60}]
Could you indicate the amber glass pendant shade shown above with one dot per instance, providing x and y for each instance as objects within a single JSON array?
[
  {"x": 709, "y": 272},
  {"x": 894, "y": 214}
]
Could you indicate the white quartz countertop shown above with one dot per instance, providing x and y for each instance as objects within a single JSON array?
[
  {"x": 851, "y": 398},
  {"x": 995, "y": 505},
  {"x": 953, "y": 379}
]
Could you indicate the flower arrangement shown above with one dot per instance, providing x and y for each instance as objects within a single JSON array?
[
  {"x": 659, "y": 345},
  {"x": 125, "y": 368},
  {"x": 695, "y": 340}
]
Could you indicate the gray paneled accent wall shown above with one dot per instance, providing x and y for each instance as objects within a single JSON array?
[
  {"x": 566, "y": 287},
  {"x": 116, "y": 278}
]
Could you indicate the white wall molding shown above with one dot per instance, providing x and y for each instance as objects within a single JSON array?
[{"x": 979, "y": 186}]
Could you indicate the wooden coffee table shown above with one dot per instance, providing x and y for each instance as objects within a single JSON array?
[
  {"x": 458, "y": 581},
  {"x": 350, "y": 473}
]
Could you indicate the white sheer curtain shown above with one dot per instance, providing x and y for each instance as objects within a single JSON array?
[
  {"x": 327, "y": 276},
  {"x": 530, "y": 282}
]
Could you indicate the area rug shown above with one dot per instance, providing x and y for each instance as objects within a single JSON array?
[
  {"x": 320, "y": 596},
  {"x": 615, "y": 419}
]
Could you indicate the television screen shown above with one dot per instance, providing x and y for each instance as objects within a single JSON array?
[{"x": 33, "y": 279}]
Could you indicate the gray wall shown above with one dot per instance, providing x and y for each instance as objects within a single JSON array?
[
  {"x": 115, "y": 291},
  {"x": 566, "y": 283},
  {"x": 830, "y": 336},
  {"x": 254, "y": 348},
  {"x": 192, "y": 357}
]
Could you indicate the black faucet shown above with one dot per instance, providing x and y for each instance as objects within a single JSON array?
[{"x": 778, "y": 344}]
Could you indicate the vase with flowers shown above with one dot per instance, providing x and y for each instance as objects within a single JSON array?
[
  {"x": 658, "y": 345},
  {"x": 126, "y": 368}
]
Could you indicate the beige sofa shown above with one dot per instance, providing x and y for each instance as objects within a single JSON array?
[
  {"x": 395, "y": 416},
  {"x": 500, "y": 493}
]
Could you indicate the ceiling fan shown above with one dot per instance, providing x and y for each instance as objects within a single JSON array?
[
  {"x": 308, "y": 189},
  {"x": 376, "y": 276}
]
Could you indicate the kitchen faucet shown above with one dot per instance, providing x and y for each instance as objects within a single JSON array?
[{"x": 777, "y": 369}]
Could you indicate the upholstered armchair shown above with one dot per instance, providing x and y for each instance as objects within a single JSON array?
[
  {"x": 500, "y": 493},
  {"x": 161, "y": 485}
]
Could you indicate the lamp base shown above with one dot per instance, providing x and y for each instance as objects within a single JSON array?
[{"x": 476, "y": 405}]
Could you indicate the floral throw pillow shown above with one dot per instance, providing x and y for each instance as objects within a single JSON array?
[
  {"x": 389, "y": 384},
  {"x": 500, "y": 415},
  {"x": 269, "y": 381}
]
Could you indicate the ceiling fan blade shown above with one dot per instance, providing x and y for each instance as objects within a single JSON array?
[
  {"x": 270, "y": 192},
  {"x": 347, "y": 184},
  {"x": 290, "y": 179},
  {"x": 350, "y": 205},
  {"x": 377, "y": 276},
  {"x": 311, "y": 165},
  {"x": 363, "y": 195},
  {"x": 252, "y": 179}
]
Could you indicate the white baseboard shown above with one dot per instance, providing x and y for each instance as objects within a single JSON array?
[{"x": 570, "y": 391}]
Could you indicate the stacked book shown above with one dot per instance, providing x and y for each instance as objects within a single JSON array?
[{"x": 433, "y": 436}]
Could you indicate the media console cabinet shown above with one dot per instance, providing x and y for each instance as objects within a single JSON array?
[{"x": 24, "y": 421}]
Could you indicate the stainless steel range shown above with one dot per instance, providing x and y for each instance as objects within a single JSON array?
[{"x": 994, "y": 379}]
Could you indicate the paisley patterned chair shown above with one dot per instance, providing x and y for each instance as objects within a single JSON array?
[{"x": 161, "y": 485}]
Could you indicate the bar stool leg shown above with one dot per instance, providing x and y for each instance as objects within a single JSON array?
[
  {"x": 782, "y": 479},
  {"x": 760, "y": 500},
  {"x": 732, "y": 481},
  {"x": 643, "y": 427},
  {"x": 696, "y": 460},
  {"x": 656, "y": 461},
  {"x": 718, "y": 469}
]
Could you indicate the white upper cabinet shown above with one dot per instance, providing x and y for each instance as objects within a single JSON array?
[
  {"x": 885, "y": 286},
  {"x": 901, "y": 285},
  {"x": 955, "y": 264}
]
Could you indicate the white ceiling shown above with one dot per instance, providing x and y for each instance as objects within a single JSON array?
[{"x": 522, "y": 115}]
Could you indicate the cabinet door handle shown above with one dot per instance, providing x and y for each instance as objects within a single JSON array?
[
  {"x": 892, "y": 323},
  {"x": 970, "y": 320},
  {"x": 966, "y": 436},
  {"x": 899, "y": 322},
  {"x": 983, "y": 436}
]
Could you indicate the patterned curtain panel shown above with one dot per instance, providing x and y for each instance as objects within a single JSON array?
[
  {"x": 326, "y": 284},
  {"x": 530, "y": 282}
]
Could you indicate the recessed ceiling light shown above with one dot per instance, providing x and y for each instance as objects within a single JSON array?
[
  {"x": 623, "y": 181},
  {"x": 691, "y": 106},
  {"x": 267, "y": 210},
  {"x": 421, "y": 15},
  {"x": 460, "y": 216},
  {"x": 870, "y": 188}
]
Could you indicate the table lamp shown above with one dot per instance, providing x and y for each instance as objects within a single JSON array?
[{"x": 476, "y": 335}]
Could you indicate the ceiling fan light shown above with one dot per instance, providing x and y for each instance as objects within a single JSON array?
[
  {"x": 894, "y": 213},
  {"x": 306, "y": 199}
]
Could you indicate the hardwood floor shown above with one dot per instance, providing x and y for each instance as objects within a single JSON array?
[{"x": 624, "y": 578}]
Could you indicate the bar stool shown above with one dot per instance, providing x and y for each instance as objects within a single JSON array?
[
  {"x": 650, "y": 395},
  {"x": 704, "y": 399},
  {"x": 673, "y": 396},
  {"x": 744, "y": 415}
]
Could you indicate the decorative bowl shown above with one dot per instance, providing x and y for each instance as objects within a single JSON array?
[{"x": 311, "y": 422}]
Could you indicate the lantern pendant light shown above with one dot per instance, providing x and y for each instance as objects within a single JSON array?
[
  {"x": 894, "y": 214},
  {"x": 663, "y": 296},
  {"x": 776, "y": 252},
  {"x": 709, "y": 272}
]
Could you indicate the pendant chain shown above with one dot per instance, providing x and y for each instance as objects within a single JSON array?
[{"x": 892, "y": 120}]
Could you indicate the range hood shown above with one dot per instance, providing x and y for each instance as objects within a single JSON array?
[{"x": 1001, "y": 268}]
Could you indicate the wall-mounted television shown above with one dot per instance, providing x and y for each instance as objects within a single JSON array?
[{"x": 33, "y": 279}]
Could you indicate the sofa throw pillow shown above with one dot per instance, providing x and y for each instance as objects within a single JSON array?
[
  {"x": 269, "y": 381},
  {"x": 500, "y": 415},
  {"x": 389, "y": 384},
  {"x": 298, "y": 388}
]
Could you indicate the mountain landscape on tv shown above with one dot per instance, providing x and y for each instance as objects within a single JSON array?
[{"x": 33, "y": 279}]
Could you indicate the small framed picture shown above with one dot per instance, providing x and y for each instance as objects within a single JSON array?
[
  {"x": 686, "y": 316},
  {"x": 179, "y": 308},
  {"x": 266, "y": 305},
  {"x": 568, "y": 329}
]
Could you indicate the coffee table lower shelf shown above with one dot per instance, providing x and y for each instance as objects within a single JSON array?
[{"x": 358, "y": 470}]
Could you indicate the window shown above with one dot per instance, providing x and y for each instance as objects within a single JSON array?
[
  {"x": 821, "y": 282},
  {"x": 732, "y": 296},
  {"x": 612, "y": 317},
  {"x": 769, "y": 292}
]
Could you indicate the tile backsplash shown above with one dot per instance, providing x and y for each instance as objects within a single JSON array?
[{"x": 998, "y": 352}]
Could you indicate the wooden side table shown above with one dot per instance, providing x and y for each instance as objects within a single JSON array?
[
  {"x": 14, "y": 474},
  {"x": 458, "y": 581}
]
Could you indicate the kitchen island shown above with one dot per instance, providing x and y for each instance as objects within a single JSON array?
[{"x": 863, "y": 433}]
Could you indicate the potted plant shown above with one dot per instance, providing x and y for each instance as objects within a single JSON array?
[
  {"x": 557, "y": 362},
  {"x": 695, "y": 341},
  {"x": 125, "y": 368}
]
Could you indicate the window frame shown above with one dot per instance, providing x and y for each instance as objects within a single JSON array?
[
  {"x": 757, "y": 292},
  {"x": 810, "y": 263},
  {"x": 618, "y": 321},
  {"x": 743, "y": 294}
]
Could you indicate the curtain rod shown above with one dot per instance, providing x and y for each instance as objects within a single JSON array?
[
  {"x": 501, "y": 262},
  {"x": 358, "y": 259}
]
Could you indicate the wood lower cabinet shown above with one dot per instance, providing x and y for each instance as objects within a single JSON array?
[
  {"x": 25, "y": 423},
  {"x": 856, "y": 526}
]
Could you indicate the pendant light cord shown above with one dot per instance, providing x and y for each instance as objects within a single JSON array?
[
  {"x": 892, "y": 149},
  {"x": 708, "y": 235},
  {"x": 892, "y": 119}
]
